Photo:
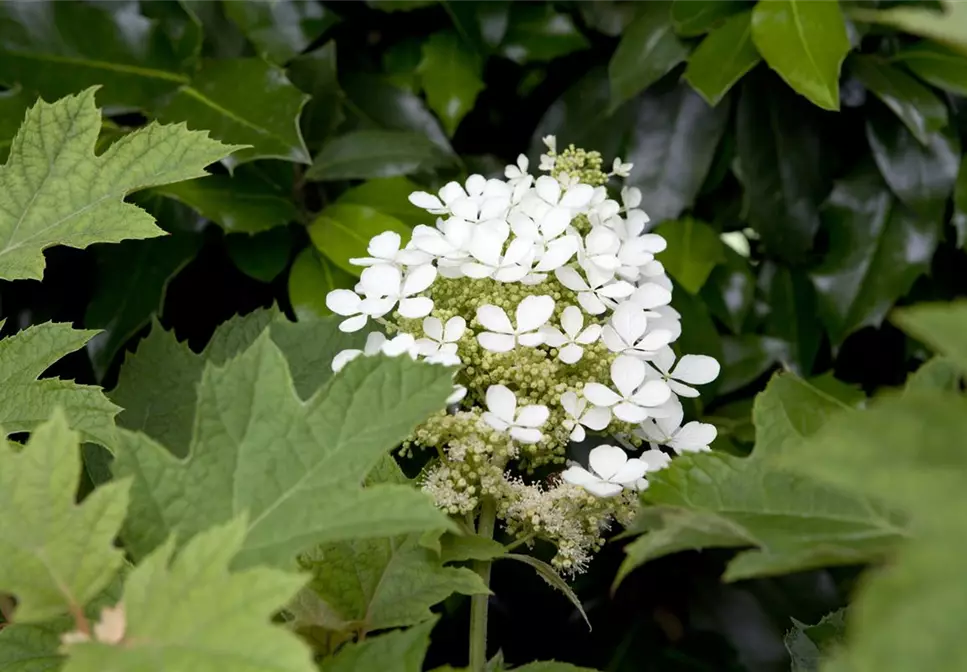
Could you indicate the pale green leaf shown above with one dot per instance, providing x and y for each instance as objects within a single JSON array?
[
  {"x": 805, "y": 42},
  {"x": 942, "y": 326},
  {"x": 57, "y": 555},
  {"x": 806, "y": 643},
  {"x": 371, "y": 584},
  {"x": 397, "y": 651},
  {"x": 343, "y": 231},
  {"x": 460, "y": 547},
  {"x": 191, "y": 614},
  {"x": 722, "y": 58},
  {"x": 936, "y": 64},
  {"x": 789, "y": 410},
  {"x": 311, "y": 278},
  {"x": 451, "y": 75},
  {"x": 553, "y": 579},
  {"x": 54, "y": 191},
  {"x": 389, "y": 195},
  {"x": 696, "y": 17},
  {"x": 26, "y": 401},
  {"x": 937, "y": 373},
  {"x": 948, "y": 26},
  {"x": 694, "y": 249},
  {"x": 250, "y": 422}
]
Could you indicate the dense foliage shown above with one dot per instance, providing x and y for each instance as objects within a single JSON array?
[{"x": 186, "y": 182}]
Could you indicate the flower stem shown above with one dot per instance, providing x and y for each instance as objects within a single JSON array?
[{"x": 478, "y": 603}]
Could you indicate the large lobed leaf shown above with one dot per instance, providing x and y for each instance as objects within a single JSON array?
[
  {"x": 57, "y": 555},
  {"x": 55, "y": 191},
  {"x": 295, "y": 467},
  {"x": 192, "y": 614}
]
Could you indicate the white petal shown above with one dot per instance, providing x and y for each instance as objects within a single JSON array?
[
  {"x": 663, "y": 360},
  {"x": 603, "y": 489},
  {"x": 553, "y": 337},
  {"x": 418, "y": 279},
  {"x": 578, "y": 196},
  {"x": 652, "y": 393},
  {"x": 415, "y": 307},
  {"x": 512, "y": 273},
  {"x": 651, "y": 295},
  {"x": 694, "y": 437},
  {"x": 525, "y": 435},
  {"x": 385, "y": 245},
  {"x": 353, "y": 324},
  {"x": 616, "y": 290},
  {"x": 654, "y": 243},
  {"x": 495, "y": 421},
  {"x": 571, "y": 279},
  {"x": 487, "y": 243},
  {"x": 628, "y": 373},
  {"x": 374, "y": 341},
  {"x": 654, "y": 460},
  {"x": 599, "y": 395},
  {"x": 612, "y": 340},
  {"x": 379, "y": 307},
  {"x": 631, "y": 197},
  {"x": 531, "y": 339},
  {"x": 502, "y": 402},
  {"x": 496, "y": 342},
  {"x": 589, "y": 335},
  {"x": 495, "y": 319},
  {"x": 629, "y": 472},
  {"x": 421, "y": 199},
  {"x": 596, "y": 418},
  {"x": 629, "y": 322},
  {"x": 533, "y": 312},
  {"x": 572, "y": 320},
  {"x": 630, "y": 412},
  {"x": 572, "y": 404},
  {"x": 523, "y": 226},
  {"x": 579, "y": 476},
  {"x": 601, "y": 240},
  {"x": 343, "y": 358},
  {"x": 452, "y": 191},
  {"x": 655, "y": 340},
  {"x": 398, "y": 345},
  {"x": 578, "y": 433},
  {"x": 591, "y": 304},
  {"x": 555, "y": 222},
  {"x": 476, "y": 184},
  {"x": 670, "y": 423},
  {"x": 682, "y": 390},
  {"x": 454, "y": 329},
  {"x": 532, "y": 416},
  {"x": 518, "y": 251},
  {"x": 343, "y": 302},
  {"x": 477, "y": 271},
  {"x": 605, "y": 461},
  {"x": 696, "y": 369},
  {"x": 548, "y": 189},
  {"x": 570, "y": 354},
  {"x": 459, "y": 392},
  {"x": 494, "y": 208},
  {"x": 557, "y": 253},
  {"x": 433, "y": 328},
  {"x": 380, "y": 280},
  {"x": 465, "y": 208}
]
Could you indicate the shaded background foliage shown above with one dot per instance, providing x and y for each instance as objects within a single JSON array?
[{"x": 839, "y": 189}]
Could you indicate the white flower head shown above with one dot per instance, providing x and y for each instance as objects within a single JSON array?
[
  {"x": 349, "y": 304},
  {"x": 596, "y": 294},
  {"x": 620, "y": 169},
  {"x": 385, "y": 288},
  {"x": 441, "y": 339},
  {"x": 550, "y": 141},
  {"x": 627, "y": 332},
  {"x": 532, "y": 313},
  {"x": 693, "y": 437},
  {"x": 610, "y": 472},
  {"x": 488, "y": 261},
  {"x": 479, "y": 200},
  {"x": 503, "y": 415},
  {"x": 385, "y": 249},
  {"x": 571, "y": 340},
  {"x": 576, "y": 407},
  {"x": 690, "y": 370},
  {"x": 636, "y": 398}
]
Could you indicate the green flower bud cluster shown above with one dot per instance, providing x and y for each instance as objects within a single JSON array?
[{"x": 579, "y": 164}]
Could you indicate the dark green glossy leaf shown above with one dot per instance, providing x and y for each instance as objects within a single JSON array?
[
  {"x": 482, "y": 24},
  {"x": 400, "y": 5},
  {"x": 699, "y": 335},
  {"x": 648, "y": 49},
  {"x": 220, "y": 100},
  {"x": 729, "y": 290},
  {"x": 747, "y": 358},
  {"x": 311, "y": 277},
  {"x": 696, "y": 17},
  {"x": 580, "y": 116},
  {"x": 13, "y": 107},
  {"x": 959, "y": 218},
  {"x": 400, "y": 61},
  {"x": 722, "y": 58},
  {"x": 132, "y": 278},
  {"x": 280, "y": 29},
  {"x": 315, "y": 73},
  {"x": 778, "y": 146},
  {"x": 916, "y": 106},
  {"x": 805, "y": 42},
  {"x": 941, "y": 66},
  {"x": 368, "y": 154},
  {"x": 223, "y": 39},
  {"x": 921, "y": 175},
  {"x": 181, "y": 26},
  {"x": 450, "y": 72},
  {"x": 807, "y": 643},
  {"x": 389, "y": 195},
  {"x": 539, "y": 33},
  {"x": 877, "y": 248},
  {"x": 693, "y": 251},
  {"x": 246, "y": 202},
  {"x": 377, "y": 104},
  {"x": 791, "y": 302},
  {"x": 343, "y": 231},
  {"x": 261, "y": 255},
  {"x": 672, "y": 147},
  {"x": 60, "y": 48}
]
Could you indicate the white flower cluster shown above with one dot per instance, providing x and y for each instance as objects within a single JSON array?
[{"x": 552, "y": 230}]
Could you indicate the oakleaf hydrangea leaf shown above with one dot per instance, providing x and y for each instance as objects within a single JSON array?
[
  {"x": 191, "y": 614},
  {"x": 807, "y": 643},
  {"x": 55, "y": 191},
  {"x": 26, "y": 401},
  {"x": 397, "y": 651},
  {"x": 792, "y": 522},
  {"x": 372, "y": 584},
  {"x": 295, "y": 467},
  {"x": 57, "y": 555}
]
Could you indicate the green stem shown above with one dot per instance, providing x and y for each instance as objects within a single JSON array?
[{"x": 478, "y": 603}]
